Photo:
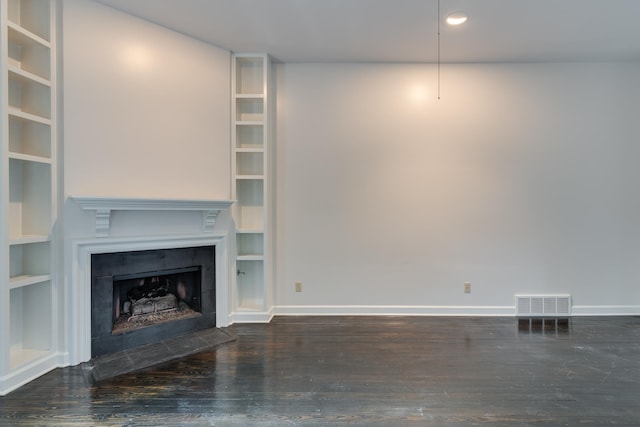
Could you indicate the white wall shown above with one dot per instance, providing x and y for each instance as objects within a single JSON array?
[
  {"x": 520, "y": 179},
  {"x": 146, "y": 110}
]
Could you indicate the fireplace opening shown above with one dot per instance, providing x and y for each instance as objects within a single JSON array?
[
  {"x": 147, "y": 296},
  {"x": 145, "y": 299}
]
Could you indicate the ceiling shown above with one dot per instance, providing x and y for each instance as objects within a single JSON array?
[{"x": 405, "y": 30}]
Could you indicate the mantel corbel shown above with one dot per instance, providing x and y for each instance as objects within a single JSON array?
[{"x": 103, "y": 222}]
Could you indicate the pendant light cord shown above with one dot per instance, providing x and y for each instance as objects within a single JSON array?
[{"x": 438, "y": 49}]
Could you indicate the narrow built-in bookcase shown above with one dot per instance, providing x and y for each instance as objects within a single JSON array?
[
  {"x": 28, "y": 201},
  {"x": 251, "y": 186}
]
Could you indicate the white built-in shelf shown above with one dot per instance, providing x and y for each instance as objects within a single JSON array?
[
  {"x": 27, "y": 239},
  {"x": 249, "y": 176},
  {"x": 249, "y": 150},
  {"x": 251, "y": 181},
  {"x": 249, "y": 96},
  {"x": 29, "y": 158},
  {"x": 20, "y": 35},
  {"x": 19, "y": 75},
  {"x": 29, "y": 191},
  {"x": 249, "y": 122},
  {"x": 250, "y": 258},
  {"x": 26, "y": 280},
  {"x": 16, "y": 112}
]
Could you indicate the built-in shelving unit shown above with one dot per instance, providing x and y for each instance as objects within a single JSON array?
[
  {"x": 251, "y": 186},
  {"x": 28, "y": 201}
]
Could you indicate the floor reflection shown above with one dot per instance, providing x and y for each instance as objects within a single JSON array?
[{"x": 543, "y": 326}]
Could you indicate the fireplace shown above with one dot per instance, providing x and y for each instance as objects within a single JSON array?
[
  {"x": 143, "y": 297},
  {"x": 116, "y": 225}
]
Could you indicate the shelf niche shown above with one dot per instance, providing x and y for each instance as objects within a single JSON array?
[
  {"x": 250, "y": 163},
  {"x": 250, "y": 204},
  {"x": 30, "y": 314},
  {"x": 28, "y": 54},
  {"x": 29, "y": 138},
  {"x": 29, "y": 198},
  {"x": 29, "y": 260},
  {"x": 250, "y": 245},
  {"x": 250, "y": 276},
  {"x": 249, "y": 137},
  {"x": 249, "y": 75},
  {"x": 32, "y": 15},
  {"x": 30, "y": 97},
  {"x": 249, "y": 110}
]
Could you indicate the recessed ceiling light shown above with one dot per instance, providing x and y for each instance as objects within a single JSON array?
[{"x": 457, "y": 18}]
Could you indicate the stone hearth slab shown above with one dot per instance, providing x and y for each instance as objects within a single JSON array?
[{"x": 123, "y": 362}]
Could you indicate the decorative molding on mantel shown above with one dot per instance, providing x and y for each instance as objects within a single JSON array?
[{"x": 103, "y": 206}]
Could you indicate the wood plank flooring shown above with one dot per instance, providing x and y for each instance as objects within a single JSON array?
[{"x": 366, "y": 371}]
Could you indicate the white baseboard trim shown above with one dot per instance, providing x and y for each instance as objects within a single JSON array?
[
  {"x": 411, "y": 310},
  {"x": 251, "y": 316},
  {"x": 605, "y": 310},
  {"x": 391, "y": 310}
]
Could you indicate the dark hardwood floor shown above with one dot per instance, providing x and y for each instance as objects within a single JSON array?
[{"x": 367, "y": 371}]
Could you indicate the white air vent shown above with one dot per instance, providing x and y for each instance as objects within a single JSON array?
[{"x": 543, "y": 305}]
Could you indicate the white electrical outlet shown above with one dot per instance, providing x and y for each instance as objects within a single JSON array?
[
  {"x": 467, "y": 287},
  {"x": 298, "y": 286}
]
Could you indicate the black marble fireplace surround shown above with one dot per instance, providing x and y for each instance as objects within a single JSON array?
[{"x": 104, "y": 267}]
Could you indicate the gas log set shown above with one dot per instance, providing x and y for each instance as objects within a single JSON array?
[{"x": 153, "y": 300}]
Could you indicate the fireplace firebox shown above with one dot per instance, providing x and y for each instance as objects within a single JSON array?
[
  {"x": 145, "y": 299},
  {"x": 142, "y": 297}
]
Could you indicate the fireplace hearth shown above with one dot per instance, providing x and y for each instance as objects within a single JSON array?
[{"x": 144, "y": 297}]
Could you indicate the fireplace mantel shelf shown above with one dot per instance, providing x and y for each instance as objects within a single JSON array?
[{"x": 103, "y": 206}]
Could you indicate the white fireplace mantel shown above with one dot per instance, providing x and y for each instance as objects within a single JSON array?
[
  {"x": 104, "y": 206},
  {"x": 116, "y": 238}
]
